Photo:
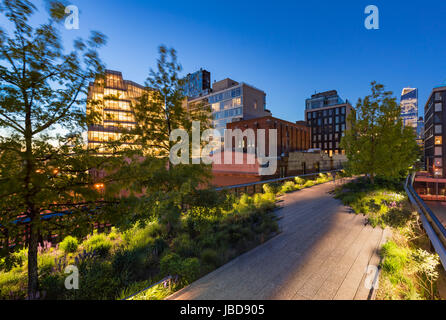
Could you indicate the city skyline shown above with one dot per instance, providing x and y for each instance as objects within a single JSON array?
[{"x": 291, "y": 55}]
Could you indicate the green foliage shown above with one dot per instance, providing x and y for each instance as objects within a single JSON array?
[
  {"x": 287, "y": 187},
  {"x": 98, "y": 243},
  {"x": 395, "y": 258},
  {"x": 271, "y": 188},
  {"x": 309, "y": 183},
  {"x": 171, "y": 264},
  {"x": 190, "y": 269},
  {"x": 210, "y": 257},
  {"x": 13, "y": 284},
  {"x": 244, "y": 205},
  {"x": 382, "y": 202},
  {"x": 69, "y": 244},
  {"x": 46, "y": 262},
  {"x": 264, "y": 202},
  {"x": 142, "y": 235},
  {"x": 116, "y": 264},
  {"x": 187, "y": 269},
  {"x": 378, "y": 143},
  {"x": 184, "y": 246}
]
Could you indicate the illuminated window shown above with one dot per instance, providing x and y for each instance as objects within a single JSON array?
[
  {"x": 438, "y": 140},
  {"x": 438, "y": 151},
  {"x": 438, "y": 162}
]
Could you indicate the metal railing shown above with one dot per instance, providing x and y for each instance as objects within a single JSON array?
[
  {"x": 432, "y": 225},
  {"x": 246, "y": 185}
]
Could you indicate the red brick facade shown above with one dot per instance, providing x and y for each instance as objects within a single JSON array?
[{"x": 290, "y": 136}]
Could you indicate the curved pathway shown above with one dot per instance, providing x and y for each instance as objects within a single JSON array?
[{"x": 323, "y": 252}]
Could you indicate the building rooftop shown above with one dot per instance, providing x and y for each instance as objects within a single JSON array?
[{"x": 325, "y": 94}]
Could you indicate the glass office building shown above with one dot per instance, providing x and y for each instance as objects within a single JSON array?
[
  {"x": 113, "y": 98},
  {"x": 230, "y": 101},
  {"x": 323, "y": 99},
  {"x": 197, "y": 84},
  {"x": 409, "y": 107},
  {"x": 420, "y": 131}
]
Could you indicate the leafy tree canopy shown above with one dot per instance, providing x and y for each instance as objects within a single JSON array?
[{"x": 377, "y": 143}]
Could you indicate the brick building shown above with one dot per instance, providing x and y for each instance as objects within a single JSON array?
[{"x": 290, "y": 136}]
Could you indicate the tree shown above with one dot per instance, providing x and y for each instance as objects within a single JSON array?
[
  {"x": 42, "y": 89},
  {"x": 377, "y": 142},
  {"x": 158, "y": 113}
]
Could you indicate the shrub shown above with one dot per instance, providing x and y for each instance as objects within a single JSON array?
[
  {"x": 114, "y": 234},
  {"x": 244, "y": 205},
  {"x": 98, "y": 243},
  {"x": 141, "y": 236},
  {"x": 210, "y": 257},
  {"x": 309, "y": 183},
  {"x": 97, "y": 282},
  {"x": 13, "y": 284},
  {"x": 69, "y": 244},
  {"x": 159, "y": 246},
  {"x": 53, "y": 286},
  {"x": 264, "y": 202},
  {"x": 184, "y": 246},
  {"x": 287, "y": 187},
  {"x": 170, "y": 264},
  {"x": 271, "y": 188},
  {"x": 46, "y": 262},
  {"x": 299, "y": 180},
  {"x": 190, "y": 269},
  {"x": 132, "y": 263}
]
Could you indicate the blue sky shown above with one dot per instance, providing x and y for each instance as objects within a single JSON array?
[{"x": 289, "y": 49}]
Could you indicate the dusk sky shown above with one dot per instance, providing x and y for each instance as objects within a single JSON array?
[{"x": 288, "y": 49}]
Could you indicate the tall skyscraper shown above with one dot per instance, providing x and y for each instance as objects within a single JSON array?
[
  {"x": 409, "y": 107},
  {"x": 326, "y": 113}
]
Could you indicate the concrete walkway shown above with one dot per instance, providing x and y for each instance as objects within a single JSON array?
[{"x": 322, "y": 253}]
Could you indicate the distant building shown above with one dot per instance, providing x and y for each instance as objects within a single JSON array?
[
  {"x": 420, "y": 131},
  {"x": 409, "y": 107},
  {"x": 434, "y": 132},
  {"x": 197, "y": 84},
  {"x": 290, "y": 136},
  {"x": 326, "y": 114},
  {"x": 231, "y": 101},
  {"x": 115, "y": 96}
]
